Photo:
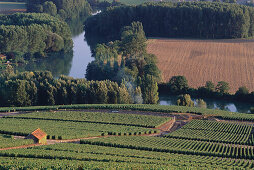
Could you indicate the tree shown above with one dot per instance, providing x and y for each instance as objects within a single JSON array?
[
  {"x": 201, "y": 103},
  {"x": 124, "y": 96},
  {"x": 153, "y": 70},
  {"x": 150, "y": 90},
  {"x": 16, "y": 91},
  {"x": 133, "y": 39},
  {"x": 222, "y": 88},
  {"x": 185, "y": 100},
  {"x": 178, "y": 84},
  {"x": 210, "y": 86},
  {"x": 242, "y": 93},
  {"x": 8, "y": 72},
  {"x": 207, "y": 90},
  {"x": 31, "y": 33},
  {"x": 50, "y": 8},
  {"x": 138, "y": 96}
]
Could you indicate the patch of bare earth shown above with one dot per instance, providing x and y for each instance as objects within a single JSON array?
[{"x": 206, "y": 60}]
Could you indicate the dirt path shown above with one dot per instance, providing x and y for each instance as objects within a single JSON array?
[
  {"x": 236, "y": 122},
  {"x": 167, "y": 126},
  {"x": 19, "y": 147}
]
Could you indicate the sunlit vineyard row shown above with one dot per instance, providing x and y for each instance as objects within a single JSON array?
[
  {"x": 64, "y": 129},
  {"x": 215, "y": 131},
  {"x": 182, "y": 146},
  {"x": 8, "y": 141},
  {"x": 92, "y": 156},
  {"x": 99, "y": 117}
]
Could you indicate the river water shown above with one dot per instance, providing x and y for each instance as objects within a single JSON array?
[{"x": 81, "y": 56}]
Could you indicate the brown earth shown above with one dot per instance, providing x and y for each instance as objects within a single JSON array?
[{"x": 206, "y": 60}]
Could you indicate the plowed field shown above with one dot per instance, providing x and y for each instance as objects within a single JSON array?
[{"x": 203, "y": 60}]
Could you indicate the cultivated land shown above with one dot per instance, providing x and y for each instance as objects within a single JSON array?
[
  {"x": 206, "y": 60},
  {"x": 122, "y": 136},
  {"x": 12, "y": 7}
]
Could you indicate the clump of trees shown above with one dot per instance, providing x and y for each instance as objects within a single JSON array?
[
  {"x": 33, "y": 33},
  {"x": 179, "y": 85},
  {"x": 126, "y": 59},
  {"x": 66, "y": 9},
  {"x": 40, "y": 88},
  {"x": 103, "y": 5},
  {"x": 186, "y": 19},
  {"x": 201, "y": 103},
  {"x": 185, "y": 100}
]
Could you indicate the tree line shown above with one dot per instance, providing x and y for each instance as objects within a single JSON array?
[
  {"x": 185, "y": 19},
  {"x": 32, "y": 33},
  {"x": 65, "y": 9},
  {"x": 40, "y": 88},
  {"x": 127, "y": 60},
  {"x": 179, "y": 85}
]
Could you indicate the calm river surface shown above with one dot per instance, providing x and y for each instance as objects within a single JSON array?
[{"x": 81, "y": 56}]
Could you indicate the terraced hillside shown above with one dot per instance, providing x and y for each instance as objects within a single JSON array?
[{"x": 125, "y": 137}]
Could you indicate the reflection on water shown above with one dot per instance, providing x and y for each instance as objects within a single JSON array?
[
  {"x": 58, "y": 63},
  {"x": 76, "y": 26},
  {"x": 73, "y": 63},
  {"x": 212, "y": 104},
  {"x": 81, "y": 57}
]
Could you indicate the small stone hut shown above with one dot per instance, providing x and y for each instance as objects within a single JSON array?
[
  {"x": 2, "y": 57},
  {"x": 38, "y": 136}
]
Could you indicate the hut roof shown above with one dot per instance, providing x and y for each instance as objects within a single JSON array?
[{"x": 39, "y": 134}]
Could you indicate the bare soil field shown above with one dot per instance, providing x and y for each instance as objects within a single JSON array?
[{"x": 206, "y": 60}]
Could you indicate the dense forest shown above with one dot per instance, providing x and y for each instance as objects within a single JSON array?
[
  {"x": 40, "y": 88},
  {"x": 127, "y": 60},
  {"x": 66, "y": 9},
  {"x": 32, "y": 33},
  {"x": 166, "y": 19}
]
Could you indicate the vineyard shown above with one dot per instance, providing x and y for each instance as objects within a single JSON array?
[
  {"x": 140, "y": 107},
  {"x": 8, "y": 141},
  {"x": 126, "y": 137},
  {"x": 216, "y": 132},
  {"x": 98, "y": 117},
  {"x": 94, "y": 156},
  {"x": 69, "y": 129},
  {"x": 180, "y": 146}
]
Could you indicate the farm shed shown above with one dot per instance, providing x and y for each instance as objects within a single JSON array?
[
  {"x": 2, "y": 57},
  {"x": 38, "y": 136}
]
